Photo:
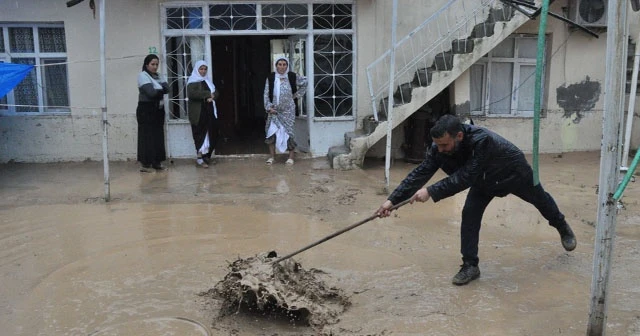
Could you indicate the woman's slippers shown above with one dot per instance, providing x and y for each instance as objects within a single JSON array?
[
  {"x": 270, "y": 161},
  {"x": 201, "y": 163}
]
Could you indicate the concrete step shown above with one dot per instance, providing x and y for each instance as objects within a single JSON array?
[
  {"x": 353, "y": 134},
  {"x": 423, "y": 77},
  {"x": 403, "y": 93},
  {"x": 464, "y": 46},
  {"x": 502, "y": 14},
  {"x": 443, "y": 61},
  {"x": 334, "y": 152},
  {"x": 484, "y": 29}
]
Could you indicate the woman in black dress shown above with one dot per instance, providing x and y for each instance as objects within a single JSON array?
[{"x": 150, "y": 116}]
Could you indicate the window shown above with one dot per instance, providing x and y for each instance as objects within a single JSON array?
[
  {"x": 45, "y": 88},
  {"x": 503, "y": 81}
]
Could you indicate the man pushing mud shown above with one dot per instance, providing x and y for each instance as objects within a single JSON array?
[{"x": 490, "y": 166}]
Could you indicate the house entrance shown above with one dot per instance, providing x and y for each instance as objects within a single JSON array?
[
  {"x": 241, "y": 65},
  {"x": 240, "y": 41}
]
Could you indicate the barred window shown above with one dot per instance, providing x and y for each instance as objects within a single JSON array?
[{"x": 46, "y": 88}]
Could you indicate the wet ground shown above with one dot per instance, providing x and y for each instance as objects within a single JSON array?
[{"x": 71, "y": 264}]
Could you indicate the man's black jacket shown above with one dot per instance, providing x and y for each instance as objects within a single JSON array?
[{"x": 483, "y": 159}]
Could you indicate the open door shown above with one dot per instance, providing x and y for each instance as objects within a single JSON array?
[{"x": 295, "y": 49}]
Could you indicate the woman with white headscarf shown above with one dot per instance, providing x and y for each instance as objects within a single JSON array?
[
  {"x": 280, "y": 91},
  {"x": 203, "y": 114}
]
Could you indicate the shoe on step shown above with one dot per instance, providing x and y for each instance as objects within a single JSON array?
[
  {"x": 466, "y": 274},
  {"x": 289, "y": 162},
  {"x": 269, "y": 161}
]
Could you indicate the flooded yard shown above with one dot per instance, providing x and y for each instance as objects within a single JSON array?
[{"x": 73, "y": 264}]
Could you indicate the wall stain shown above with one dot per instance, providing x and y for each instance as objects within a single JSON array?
[
  {"x": 578, "y": 98},
  {"x": 463, "y": 109}
]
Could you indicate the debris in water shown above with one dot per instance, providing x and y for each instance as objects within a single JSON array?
[{"x": 284, "y": 289}]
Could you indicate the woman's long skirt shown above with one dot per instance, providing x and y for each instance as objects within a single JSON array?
[
  {"x": 151, "y": 149},
  {"x": 207, "y": 124}
]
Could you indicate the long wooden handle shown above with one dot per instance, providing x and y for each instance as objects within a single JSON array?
[{"x": 337, "y": 233}]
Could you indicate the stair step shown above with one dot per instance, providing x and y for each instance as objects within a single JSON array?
[
  {"x": 382, "y": 108},
  {"x": 462, "y": 46},
  {"x": 335, "y": 151},
  {"x": 443, "y": 61},
  {"x": 505, "y": 13},
  {"x": 369, "y": 125},
  {"x": 403, "y": 93},
  {"x": 353, "y": 134},
  {"x": 423, "y": 77},
  {"x": 484, "y": 29}
]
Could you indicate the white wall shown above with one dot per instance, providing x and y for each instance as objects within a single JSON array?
[
  {"x": 576, "y": 57},
  {"x": 132, "y": 27}
]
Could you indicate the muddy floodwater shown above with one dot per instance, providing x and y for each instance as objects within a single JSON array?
[{"x": 73, "y": 264}]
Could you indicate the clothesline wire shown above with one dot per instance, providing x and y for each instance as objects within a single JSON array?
[{"x": 81, "y": 61}]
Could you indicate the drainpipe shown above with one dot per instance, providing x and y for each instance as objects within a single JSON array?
[
  {"x": 392, "y": 70},
  {"x": 105, "y": 122}
]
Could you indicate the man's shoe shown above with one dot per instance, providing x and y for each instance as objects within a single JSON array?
[
  {"x": 567, "y": 237},
  {"x": 466, "y": 274}
]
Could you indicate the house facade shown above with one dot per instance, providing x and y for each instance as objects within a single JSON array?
[{"x": 55, "y": 113}]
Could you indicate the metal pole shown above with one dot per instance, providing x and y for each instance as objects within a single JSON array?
[
  {"x": 609, "y": 165},
  {"x": 105, "y": 122},
  {"x": 392, "y": 70},
  {"x": 538, "y": 90},
  {"x": 632, "y": 103}
]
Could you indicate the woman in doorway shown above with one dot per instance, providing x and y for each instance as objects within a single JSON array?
[
  {"x": 203, "y": 114},
  {"x": 280, "y": 91},
  {"x": 150, "y": 116}
]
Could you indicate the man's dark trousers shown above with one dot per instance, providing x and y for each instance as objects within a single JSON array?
[{"x": 479, "y": 198}]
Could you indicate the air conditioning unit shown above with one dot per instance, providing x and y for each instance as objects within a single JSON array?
[{"x": 589, "y": 13}]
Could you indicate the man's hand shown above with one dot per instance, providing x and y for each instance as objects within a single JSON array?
[
  {"x": 384, "y": 211},
  {"x": 421, "y": 195}
]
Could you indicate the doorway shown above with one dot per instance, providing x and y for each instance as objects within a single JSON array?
[{"x": 241, "y": 65}]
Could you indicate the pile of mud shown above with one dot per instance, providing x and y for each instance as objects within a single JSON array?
[{"x": 285, "y": 289}]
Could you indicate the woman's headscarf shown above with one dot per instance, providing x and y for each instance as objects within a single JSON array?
[
  {"x": 195, "y": 78},
  {"x": 285, "y": 75}
]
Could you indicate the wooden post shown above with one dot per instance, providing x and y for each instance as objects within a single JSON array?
[{"x": 609, "y": 165}]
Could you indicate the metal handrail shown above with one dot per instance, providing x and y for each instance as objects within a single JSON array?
[{"x": 412, "y": 57}]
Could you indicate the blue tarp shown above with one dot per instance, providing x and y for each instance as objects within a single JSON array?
[{"x": 11, "y": 75}]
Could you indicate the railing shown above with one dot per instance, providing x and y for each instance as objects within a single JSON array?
[{"x": 418, "y": 50}]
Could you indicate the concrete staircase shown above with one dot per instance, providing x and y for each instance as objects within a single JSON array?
[{"x": 499, "y": 22}]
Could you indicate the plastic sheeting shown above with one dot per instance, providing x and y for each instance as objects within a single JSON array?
[{"x": 11, "y": 75}]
